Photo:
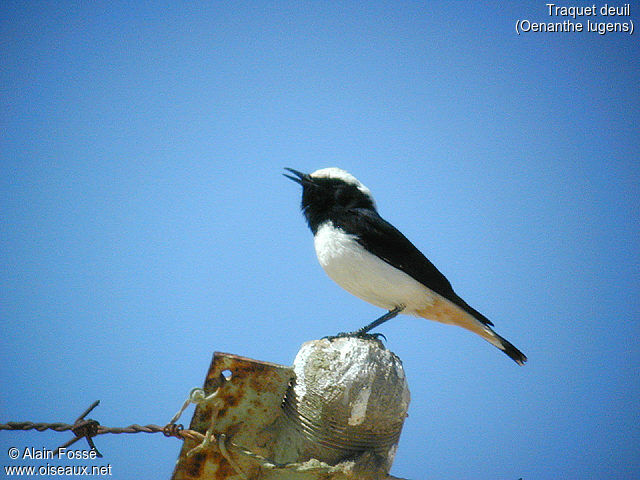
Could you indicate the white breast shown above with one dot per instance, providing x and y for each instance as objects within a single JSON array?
[{"x": 365, "y": 275}]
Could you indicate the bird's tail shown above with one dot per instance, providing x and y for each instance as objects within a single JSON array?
[
  {"x": 496, "y": 340},
  {"x": 447, "y": 312},
  {"x": 507, "y": 347}
]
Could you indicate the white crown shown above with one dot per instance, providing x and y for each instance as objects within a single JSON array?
[{"x": 338, "y": 173}]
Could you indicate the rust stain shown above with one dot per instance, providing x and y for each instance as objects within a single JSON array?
[{"x": 195, "y": 465}]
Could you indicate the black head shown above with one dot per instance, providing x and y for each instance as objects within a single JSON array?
[{"x": 328, "y": 192}]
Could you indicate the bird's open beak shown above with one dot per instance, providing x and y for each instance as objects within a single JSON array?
[{"x": 299, "y": 176}]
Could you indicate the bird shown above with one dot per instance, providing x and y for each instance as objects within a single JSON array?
[{"x": 373, "y": 260}]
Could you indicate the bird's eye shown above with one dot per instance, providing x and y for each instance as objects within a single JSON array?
[{"x": 343, "y": 197}]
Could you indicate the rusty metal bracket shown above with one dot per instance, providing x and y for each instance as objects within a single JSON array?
[{"x": 250, "y": 393}]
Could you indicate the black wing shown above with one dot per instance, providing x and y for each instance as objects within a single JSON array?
[{"x": 384, "y": 240}]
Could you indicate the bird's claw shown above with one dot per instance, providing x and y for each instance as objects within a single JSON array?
[{"x": 357, "y": 334}]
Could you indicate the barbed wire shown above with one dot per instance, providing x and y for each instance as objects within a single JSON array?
[{"x": 89, "y": 428}]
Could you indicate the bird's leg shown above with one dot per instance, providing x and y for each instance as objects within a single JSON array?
[
  {"x": 387, "y": 316},
  {"x": 363, "y": 332}
]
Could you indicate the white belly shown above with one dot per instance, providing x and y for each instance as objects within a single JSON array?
[{"x": 365, "y": 275}]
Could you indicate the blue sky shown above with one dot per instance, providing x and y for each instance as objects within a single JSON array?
[{"x": 145, "y": 222}]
